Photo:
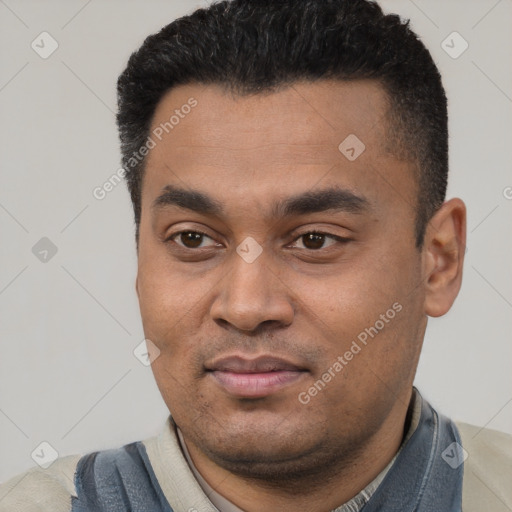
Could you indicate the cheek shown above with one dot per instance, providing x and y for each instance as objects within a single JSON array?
[
  {"x": 172, "y": 309},
  {"x": 162, "y": 314},
  {"x": 164, "y": 295},
  {"x": 368, "y": 314},
  {"x": 175, "y": 387},
  {"x": 349, "y": 301}
]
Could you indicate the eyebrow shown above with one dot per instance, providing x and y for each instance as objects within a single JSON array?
[{"x": 333, "y": 199}]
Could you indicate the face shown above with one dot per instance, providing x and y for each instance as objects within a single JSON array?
[{"x": 278, "y": 274}]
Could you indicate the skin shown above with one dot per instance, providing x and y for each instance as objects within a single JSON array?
[{"x": 299, "y": 301}]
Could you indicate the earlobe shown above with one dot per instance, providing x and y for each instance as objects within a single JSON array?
[{"x": 443, "y": 257}]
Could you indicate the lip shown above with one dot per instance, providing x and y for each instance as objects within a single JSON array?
[{"x": 254, "y": 378}]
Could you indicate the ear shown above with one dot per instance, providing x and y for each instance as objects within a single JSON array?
[
  {"x": 443, "y": 257},
  {"x": 137, "y": 286}
]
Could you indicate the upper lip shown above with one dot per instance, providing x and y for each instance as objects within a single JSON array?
[{"x": 261, "y": 364}]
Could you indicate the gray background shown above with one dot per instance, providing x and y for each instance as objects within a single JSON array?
[{"x": 69, "y": 325}]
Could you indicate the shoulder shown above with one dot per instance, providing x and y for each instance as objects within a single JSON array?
[
  {"x": 487, "y": 469},
  {"x": 116, "y": 479},
  {"x": 84, "y": 482},
  {"x": 40, "y": 489}
]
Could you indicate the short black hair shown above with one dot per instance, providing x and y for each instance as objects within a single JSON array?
[{"x": 258, "y": 46}]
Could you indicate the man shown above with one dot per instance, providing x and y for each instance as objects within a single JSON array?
[{"x": 287, "y": 163}]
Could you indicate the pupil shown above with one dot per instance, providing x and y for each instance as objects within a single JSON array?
[
  {"x": 314, "y": 240},
  {"x": 191, "y": 239},
  {"x": 311, "y": 240}
]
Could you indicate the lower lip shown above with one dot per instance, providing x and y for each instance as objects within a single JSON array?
[{"x": 255, "y": 385}]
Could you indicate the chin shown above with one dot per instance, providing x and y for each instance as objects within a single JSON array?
[
  {"x": 267, "y": 447},
  {"x": 275, "y": 462}
]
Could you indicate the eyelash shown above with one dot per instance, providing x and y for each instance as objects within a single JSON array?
[{"x": 337, "y": 238}]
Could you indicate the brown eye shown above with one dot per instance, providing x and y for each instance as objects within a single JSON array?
[
  {"x": 313, "y": 240},
  {"x": 191, "y": 239}
]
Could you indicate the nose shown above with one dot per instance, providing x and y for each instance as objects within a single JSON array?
[{"x": 251, "y": 296}]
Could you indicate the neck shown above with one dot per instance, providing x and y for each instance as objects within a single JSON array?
[{"x": 333, "y": 484}]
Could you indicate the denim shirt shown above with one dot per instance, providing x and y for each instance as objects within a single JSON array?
[{"x": 427, "y": 475}]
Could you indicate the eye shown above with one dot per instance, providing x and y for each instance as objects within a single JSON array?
[
  {"x": 191, "y": 239},
  {"x": 315, "y": 240}
]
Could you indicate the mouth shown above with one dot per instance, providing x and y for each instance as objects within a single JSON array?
[{"x": 254, "y": 378}]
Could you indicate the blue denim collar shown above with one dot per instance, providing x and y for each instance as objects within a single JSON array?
[{"x": 427, "y": 474}]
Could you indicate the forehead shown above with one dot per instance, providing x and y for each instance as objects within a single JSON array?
[
  {"x": 270, "y": 143},
  {"x": 302, "y": 113}
]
